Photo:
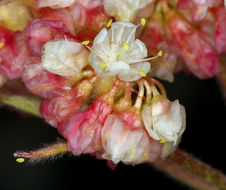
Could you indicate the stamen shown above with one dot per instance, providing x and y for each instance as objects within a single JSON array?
[
  {"x": 143, "y": 21},
  {"x": 142, "y": 73},
  {"x": 109, "y": 23},
  {"x": 126, "y": 46},
  {"x": 147, "y": 59},
  {"x": 163, "y": 141},
  {"x": 160, "y": 53},
  {"x": 65, "y": 37},
  {"x": 148, "y": 92},
  {"x": 110, "y": 42},
  {"x": 140, "y": 96},
  {"x": 97, "y": 53},
  {"x": 1, "y": 44},
  {"x": 102, "y": 66},
  {"x": 20, "y": 160},
  {"x": 85, "y": 42}
]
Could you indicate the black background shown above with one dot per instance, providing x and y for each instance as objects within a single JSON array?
[{"x": 204, "y": 137}]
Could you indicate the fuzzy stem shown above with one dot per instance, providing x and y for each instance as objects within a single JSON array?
[
  {"x": 58, "y": 148},
  {"x": 159, "y": 85},
  {"x": 23, "y": 103},
  {"x": 192, "y": 171},
  {"x": 148, "y": 93},
  {"x": 140, "y": 96}
]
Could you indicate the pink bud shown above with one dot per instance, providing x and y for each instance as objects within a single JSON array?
[
  {"x": 83, "y": 130},
  {"x": 62, "y": 15},
  {"x": 220, "y": 36},
  {"x": 130, "y": 145},
  {"x": 38, "y": 32},
  {"x": 89, "y": 15},
  {"x": 59, "y": 108},
  {"x": 199, "y": 56},
  {"x": 43, "y": 83},
  {"x": 13, "y": 53},
  {"x": 198, "y": 8}
]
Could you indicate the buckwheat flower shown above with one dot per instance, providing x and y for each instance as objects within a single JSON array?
[
  {"x": 59, "y": 108},
  {"x": 64, "y": 57},
  {"x": 198, "y": 8},
  {"x": 56, "y": 4},
  {"x": 116, "y": 52},
  {"x": 14, "y": 51},
  {"x": 164, "y": 120},
  {"x": 40, "y": 31},
  {"x": 124, "y": 10},
  {"x": 83, "y": 129},
  {"x": 43, "y": 83},
  {"x": 131, "y": 146},
  {"x": 123, "y": 135}
]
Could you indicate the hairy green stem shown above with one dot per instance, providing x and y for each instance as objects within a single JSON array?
[
  {"x": 22, "y": 103},
  {"x": 192, "y": 172}
]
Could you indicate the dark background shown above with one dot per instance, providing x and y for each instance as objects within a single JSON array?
[{"x": 204, "y": 137}]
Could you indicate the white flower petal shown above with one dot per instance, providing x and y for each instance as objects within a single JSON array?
[
  {"x": 117, "y": 138},
  {"x": 120, "y": 68},
  {"x": 120, "y": 31},
  {"x": 62, "y": 57},
  {"x": 134, "y": 75},
  {"x": 124, "y": 9},
  {"x": 137, "y": 51},
  {"x": 101, "y": 42},
  {"x": 116, "y": 52},
  {"x": 165, "y": 120}
]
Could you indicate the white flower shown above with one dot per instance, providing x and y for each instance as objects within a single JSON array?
[
  {"x": 131, "y": 146},
  {"x": 123, "y": 10},
  {"x": 165, "y": 121},
  {"x": 64, "y": 57},
  {"x": 118, "y": 139},
  {"x": 116, "y": 52},
  {"x": 55, "y": 4}
]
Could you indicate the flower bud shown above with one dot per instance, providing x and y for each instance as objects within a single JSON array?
[
  {"x": 14, "y": 15},
  {"x": 40, "y": 31},
  {"x": 13, "y": 53},
  {"x": 88, "y": 15},
  {"x": 64, "y": 57},
  {"x": 62, "y": 15},
  {"x": 59, "y": 108},
  {"x": 83, "y": 129},
  {"x": 43, "y": 83},
  {"x": 199, "y": 56},
  {"x": 124, "y": 10},
  {"x": 123, "y": 143},
  {"x": 164, "y": 120}
]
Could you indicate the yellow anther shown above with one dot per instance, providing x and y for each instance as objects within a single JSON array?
[
  {"x": 102, "y": 66},
  {"x": 143, "y": 21},
  {"x": 163, "y": 141},
  {"x": 109, "y": 23},
  {"x": 110, "y": 42},
  {"x": 20, "y": 160},
  {"x": 160, "y": 53},
  {"x": 1, "y": 44},
  {"x": 142, "y": 73},
  {"x": 85, "y": 42},
  {"x": 126, "y": 46}
]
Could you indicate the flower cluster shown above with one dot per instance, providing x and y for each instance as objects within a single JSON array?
[
  {"x": 93, "y": 63},
  {"x": 188, "y": 31}
]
